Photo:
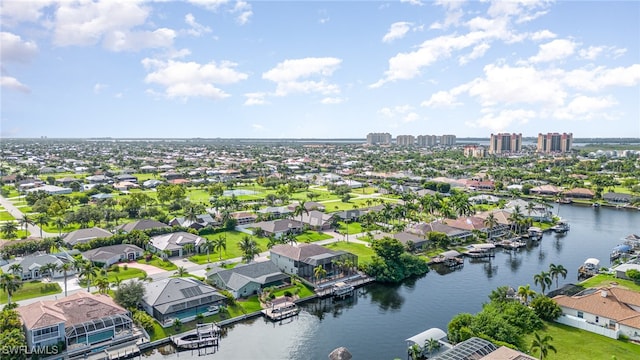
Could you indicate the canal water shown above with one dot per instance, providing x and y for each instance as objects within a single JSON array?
[{"x": 375, "y": 323}]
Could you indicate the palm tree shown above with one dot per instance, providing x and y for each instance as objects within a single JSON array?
[
  {"x": 65, "y": 268},
  {"x": 88, "y": 271},
  {"x": 525, "y": 292},
  {"x": 516, "y": 218},
  {"x": 249, "y": 248},
  {"x": 42, "y": 220},
  {"x": 299, "y": 210},
  {"x": 542, "y": 344},
  {"x": 490, "y": 221},
  {"x": 543, "y": 279},
  {"x": 319, "y": 272},
  {"x": 189, "y": 248},
  {"x": 102, "y": 284},
  {"x": 182, "y": 271},
  {"x": 220, "y": 244},
  {"x": 116, "y": 282},
  {"x": 556, "y": 271},
  {"x": 16, "y": 269},
  {"x": 208, "y": 246},
  {"x": 10, "y": 284},
  {"x": 9, "y": 229},
  {"x": 26, "y": 221},
  {"x": 48, "y": 269},
  {"x": 415, "y": 352},
  {"x": 59, "y": 222},
  {"x": 432, "y": 345},
  {"x": 191, "y": 214}
]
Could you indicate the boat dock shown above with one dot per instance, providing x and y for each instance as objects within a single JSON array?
[
  {"x": 281, "y": 311},
  {"x": 357, "y": 281},
  {"x": 205, "y": 335}
]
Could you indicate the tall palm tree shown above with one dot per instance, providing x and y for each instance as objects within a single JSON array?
[
  {"x": 65, "y": 268},
  {"x": 16, "y": 269},
  {"x": 300, "y": 209},
  {"x": 543, "y": 279},
  {"x": 9, "y": 229},
  {"x": 26, "y": 221},
  {"x": 542, "y": 344},
  {"x": 219, "y": 244},
  {"x": 208, "y": 246},
  {"x": 491, "y": 222},
  {"x": 9, "y": 283},
  {"x": 515, "y": 218},
  {"x": 525, "y": 292},
  {"x": 42, "y": 219},
  {"x": 48, "y": 269},
  {"x": 88, "y": 271},
  {"x": 191, "y": 214},
  {"x": 556, "y": 271},
  {"x": 102, "y": 284},
  {"x": 319, "y": 272},
  {"x": 59, "y": 222},
  {"x": 249, "y": 248}
]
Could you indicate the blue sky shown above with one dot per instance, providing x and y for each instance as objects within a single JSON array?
[{"x": 281, "y": 69}]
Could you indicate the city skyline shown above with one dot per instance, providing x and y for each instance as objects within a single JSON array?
[{"x": 235, "y": 69}]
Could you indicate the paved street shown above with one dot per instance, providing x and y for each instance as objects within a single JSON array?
[{"x": 34, "y": 230}]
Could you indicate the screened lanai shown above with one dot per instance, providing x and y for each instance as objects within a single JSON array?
[{"x": 98, "y": 330}]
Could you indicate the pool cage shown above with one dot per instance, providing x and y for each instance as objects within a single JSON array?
[{"x": 100, "y": 330}]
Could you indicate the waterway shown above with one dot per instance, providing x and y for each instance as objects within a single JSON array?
[{"x": 375, "y": 324}]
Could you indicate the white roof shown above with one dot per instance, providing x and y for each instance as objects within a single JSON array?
[
  {"x": 593, "y": 261},
  {"x": 433, "y": 333}
]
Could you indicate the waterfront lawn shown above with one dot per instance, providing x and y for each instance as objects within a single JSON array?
[
  {"x": 575, "y": 344},
  {"x": 363, "y": 252},
  {"x": 159, "y": 263},
  {"x": 303, "y": 291},
  {"x": 607, "y": 280},
  {"x": 5, "y": 216},
  {"x": 232, "y": 251},
  {"x": 32, "y": 289},
  {"x": 311, "y": 236}
]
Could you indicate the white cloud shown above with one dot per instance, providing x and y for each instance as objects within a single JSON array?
[
  {"x": 112, "y": 22},
  {"x": 412, "y": 2},
  {"x": 411, "y": 117},
  {"x": 257, "y": 98},
  {"x": 593, "y": 52},
  {"x": 332, "y": 100},
  {"x": 13, "y": 84},
  {"x": 289, "y": 75},
  {"x": 500, "y": 121},
  {"x": 441, "y": 99},
  {"x": 209, "y": 4},
  {"x": 191, "y": 79},
  {"x": 477, "y": 52},
  {"x": 257, "y": 127},
  {"x": 598, "y": 78},
  {"x": 98, "y": 87},
  {"x": 196, "y": 28},
  {"x": 15, "y": 12},
  {"x": 542, "y": 35},
  {"x": 14, "y": 49},
  {"x": 397, "y": 31},
  {"x": 454, "y": 14},
  {"x": 244, "y": 11},
  {"x": 584, "y": 107},
  {"x": 402, "y": 110},
  {"x": 555, "y": 50}
]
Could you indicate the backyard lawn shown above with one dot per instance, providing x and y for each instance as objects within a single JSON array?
[
  {"x": 232, "y": 251},
  {"x": 353, "y": 227},
  {"x": 311, "y": 236},
  {"x": 363, "y": 252},
  {"x": 32, "y": 289},
  {"x": 576, "y": 344},
  {"x": 123, "y": 274},
  {"x": 606, "y": 280}
]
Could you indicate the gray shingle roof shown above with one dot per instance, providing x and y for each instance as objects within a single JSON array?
[
  {"x": 85, "y": 235},
  {"x": 301, "y": 252},
  {"x": 165, "y": 293},
  {"x": 107, "y": 252},
  {"x": 260, "y": 272},
  {"x": 142, "y": 224}
]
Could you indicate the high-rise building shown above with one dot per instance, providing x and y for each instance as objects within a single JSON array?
[
  {"x": 475, "y": 151},
  {"x": 505, "y": 143},
  {"x": 555, "y": 143},
  {"x": 426, "y": 140},
  {"x": 405, "y": 140},
  {"x": 379, "y": 139},
  {"x": 447, "y": 140}
]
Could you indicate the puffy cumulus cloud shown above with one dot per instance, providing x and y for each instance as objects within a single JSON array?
[
  {"x": 555, "y": 50},
  {"x": 397, "y": 31},
  {"x": 598, "y": 78},
  {"x": 14, "y": 49},
  {"x": 441, "y": 99},
  {"x": 290, "y": 75},
  {"x": 522, "y": 11},
  {"x": 190, "y": 79},
  {"x": 256, "y": 98},
  {"x": 499, "y": 121},
  {"x": 542, "y": 35},
  {"x": 332, "y": 100},
  {"x": 413, "y": 2},
  {"x": 243, "y": 11},
  {"x": 113, "y": 22},
  {"x": 13, "y": 84},
  {"x": 196, "y": 28},
  {"x": 13, "y": 12},
  {"x": 585, "y": 107},
  {"x": 209, "y": 4},
  {"x": 454, "y": 13},
  {"x": 593, "y": 52}
]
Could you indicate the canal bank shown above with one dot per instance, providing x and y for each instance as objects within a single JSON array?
[{"x": 374, "y": 323}]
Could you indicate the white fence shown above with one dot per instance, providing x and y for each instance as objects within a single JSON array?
[{"x": 584, "y": 325}]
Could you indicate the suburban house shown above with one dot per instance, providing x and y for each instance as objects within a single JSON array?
[
  {"x": 244, "y": 218},
  {"x": 468, "y": 223},
  {"x": 141, "y": 225},
  {"x": 172, "y": 244},
  {"x": 423, "y": 229},
  {"x": 546, "y": 190},
  {"x": 151, "y": 183},
  {"x": 126, "y": 177},
  {"x": 406, "y": 237},
  {"x": 278, "y": 228},
  {"x": 84, "y": 321},
  {"x": 579, "y": 193},
  {"x": 617, "y": 198},
  {"x": 109, "y": 255},
  {"x": 202, "y": 220},
  {"x": 247, "y": 279},
  {"x": 608, "y": 311},
  {"x": 275, "y": 211},
  {"x": 52, "y": 190},
  {"x": 32, "y": 264},
  {"x": 302, "y": 259},
  {"x": 98, "y": 179},
  {"x": 179, "y": 298},
  {"x": 502, "y": 220},
  {"x": 125, "y": 185},
  {"x": 317, "y": 220},
  {"x": 82, "y": 236}
]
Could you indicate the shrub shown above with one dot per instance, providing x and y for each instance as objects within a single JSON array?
[
  {"x": 288, "y": 293},
  {"x": 125, "y": 267}
]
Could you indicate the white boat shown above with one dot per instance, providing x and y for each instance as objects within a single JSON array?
[
  {"x": 589, "y": 268},
  {"x": 560, "y": 227},
  {"x": 342, "y": 289}
]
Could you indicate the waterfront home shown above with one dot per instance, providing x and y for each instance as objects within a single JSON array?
[
  {"x": 180, "y": 298},
  {"x": 82, "y": 236},
  {"x": 621, "y": 270},
  {"x": 201, "y": 221},
  {"x": 454, "y": 234},
  {"x": 405, "y": 238},
  {"x": 302, "y": 259},
  {"x": 484, "y": 199},
  {"x": 502, "y": 219},
  {"x": 617, "y": 198},
  {"x": 546, "y": 190},
  {"x": 609, "y": 311},
  {"x": 537, "y": 213},
  {"x": 247, "y": 279},
  {"x": 109, "y": 255},
  {"x": 172, "y": 244},
  {"x": 31, "y": 265},
  {"x": 317, "y": 220},
  {"x": 633, "y": 240},
  {"x": 431, "y": 334},
  {"x": 141, "y": 225},
  {"x": 83, "y": 321},
  {"x": 469, "y": 223},
  {"x": 579, "y": 193},
  {"x": 278, "y": 228}
]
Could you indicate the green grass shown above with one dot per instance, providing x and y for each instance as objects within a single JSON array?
[
  {"x": 233, "y": 251},
  {"x": 123, "y": 274},
  {"x": 353, "y": 227},
  {"x": 250, "y": 304},
  {"x": 5, "y": 216},
  {"x": 303, "y": 291},
  {"x": 311, "y": 236},
  {"x": 159, "y": 263},
  {"x": 606, "y": 280},
  {"x": 576, "y": 344},
  {"x": 30, "y": 290},
  {"x": 363, "y": 252}
]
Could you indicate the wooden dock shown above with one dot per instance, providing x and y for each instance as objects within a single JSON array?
[{"x": 281, "y": 311}]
